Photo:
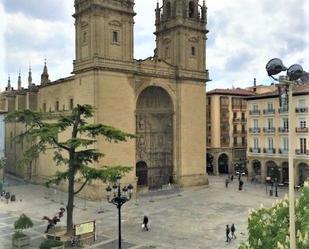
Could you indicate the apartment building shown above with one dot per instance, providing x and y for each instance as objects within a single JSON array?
[
  {"x": 268, "y": 142},
  {"x": 226, "y": 117}
]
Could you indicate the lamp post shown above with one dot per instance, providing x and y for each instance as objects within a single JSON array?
[
  {"x": 119, "y": 198},
  {"x": 294, "y": 72}
]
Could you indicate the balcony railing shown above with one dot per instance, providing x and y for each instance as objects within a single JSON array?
[
  {"x": 283, "y": 129},
  {"x": 236, "y": 106},
  {"x": 283, "y": 109},
  {"x": 301, "y": 109},
  {"x": 269, "y": 151},
  {"x": 269, "y": 111},
  {"x": 255, "y": 150},
  {"x": 283, "y": 151},
  {"x": 243, "y": 120},
  {"x": 269, "y": 130},
  {"x": 236, "y": 120},
  {"x": 254, "y": 112},
  {"x": 301, "y": 152},
  {"x": 254, "y": 130},
  {"x": 301, "y": 130}
]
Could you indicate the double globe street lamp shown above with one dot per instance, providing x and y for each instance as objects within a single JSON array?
[
  {"x": 294, "y": 72},
  {"x": 118, "y": 197}
]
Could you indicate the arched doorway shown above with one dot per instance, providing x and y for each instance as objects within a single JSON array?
[
  {"x": 303, "y": 172},
  {"x": 273, "y": 170},
  {"x": 257, "y": 170},
  {"x": 210, "y": 166},
  {"x": 154, "y": 128},
  {"x": 223, "y": 163},
  {"x": 142, "y": 173},
  {"x": 285, "y": 172}
]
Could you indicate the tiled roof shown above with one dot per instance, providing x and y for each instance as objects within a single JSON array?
[{"x": 234, "y": 91}]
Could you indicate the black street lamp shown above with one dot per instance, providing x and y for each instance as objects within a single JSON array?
[
  {"x": 285, "y": 87},
  {"x": 119, "y": 198}
]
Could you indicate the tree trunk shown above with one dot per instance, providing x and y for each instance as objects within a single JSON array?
[{"x": 70, "y": 205}]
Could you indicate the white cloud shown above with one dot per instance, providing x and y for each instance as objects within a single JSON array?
[{"x": 244, "y": 35}]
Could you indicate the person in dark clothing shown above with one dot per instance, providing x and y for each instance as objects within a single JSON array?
[
  {"x": 145, "y": 223},
  {"x": 232, "y": 177},
  {"x": 233, "y": 229},
  {"x": 226, "y": 183},
  {"x": 241, "y": 183},
  {"x": 227, "y": 232}
]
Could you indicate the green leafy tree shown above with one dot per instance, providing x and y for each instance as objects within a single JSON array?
[
  {"x": 2, "y": 163},
  {"x": 77, "y": 152},
  {"x": 269, "y": 227}
]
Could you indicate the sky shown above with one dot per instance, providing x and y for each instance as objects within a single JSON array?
[{"x": 244, "y": 35}]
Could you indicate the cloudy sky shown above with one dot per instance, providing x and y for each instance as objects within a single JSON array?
[{"x": 244, "y": 35}]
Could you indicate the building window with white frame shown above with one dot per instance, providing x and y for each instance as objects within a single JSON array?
[
  {"x": 255, "y": 107},
  {"x": 285, "y": 143},
  {"x": 270, "y": 106},
  {"x": 270, "y": 143},
  {"x": 255, "y": 123},
  {"x": 301, "y": 103},
  {"x": 270, "y": 123},
  {"x": 302, "y": 123},
  {"x": 255, "y": 143},
  {"x": 303, "y": 145},
  {"x": 285, "y": 123}
]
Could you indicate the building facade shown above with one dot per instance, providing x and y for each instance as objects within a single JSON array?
[
  {"x": 152, "y": 98},
  {"x": 268, "y": 142},
  {"x": 226, "y": 115}
]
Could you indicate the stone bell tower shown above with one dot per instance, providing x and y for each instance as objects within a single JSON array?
[
  {"x": 181, "y": 33},
  {"x": 104, "y": 31}
]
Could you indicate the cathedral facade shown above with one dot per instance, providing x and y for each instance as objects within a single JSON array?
[{"x": 161, "y": 99}]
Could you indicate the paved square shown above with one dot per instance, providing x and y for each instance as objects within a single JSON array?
[{"x": 191, "y": 218}]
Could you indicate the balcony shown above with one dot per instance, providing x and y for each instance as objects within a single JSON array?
[
  {"x": 254, "y": 130},
  {"x": 301, "y": 130},
  {"x": 269, "y": 151},
  {"x": 236, "y": 120},
  {"x": 243, "y": 120},
  {"x": 301, "y": 152},
  {"x": 301, "y": 109},
  {"x": 255, "y": 150},
  {"x": 269, "y": 130},
  {"x": 269, "y": 111},
  {"x": 283, "y": 129},
  {"x": 283, "y": 109},
  {"x": 237, "y": 107},
  {"x": 254, "y": 112},
  {"x": 283, "y": 151}
]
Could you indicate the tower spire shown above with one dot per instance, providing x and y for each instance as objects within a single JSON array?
[
  {"x": 19, "y": 81},
  {"x": 30, "y": 77},
  {"x": 44, "y": 76},
  {"x": 9, "y": 87}
]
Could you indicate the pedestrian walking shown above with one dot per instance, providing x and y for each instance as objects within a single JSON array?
[
  {"x": 226, "y": 182},
  {"x": 232, "y": 177},
  {"x": 227, "y": 233},
  {"x": 241, "y": 183},
  {"x": 233, "y": 229},
  {"x": 145, "y": 223}
]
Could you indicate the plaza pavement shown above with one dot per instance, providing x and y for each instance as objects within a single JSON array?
[{"x": 190, "y": 218}]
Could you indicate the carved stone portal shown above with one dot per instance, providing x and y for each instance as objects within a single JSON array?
[{"x": 154, "y": 146}]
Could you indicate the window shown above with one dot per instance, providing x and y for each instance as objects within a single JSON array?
[
  {"x": 255, "y": 107},
  {"x": 234, "y": 115},
  {"x": 302, "y": 123},
  {"x": 285, "y": 143},
  {"x": 285, "y": 122},
  {"x": 167, "y": 52},
  {"x": 235, "y": 128},
  {"x": 115, "y": 37},
  {"x": 255, "y": 143},
  {"x": 191, "y": 9},
  {"x": 57, "y": 106},
  {"x": 243, "y": 128},
  {"x": 270, "y": 143},
  {"x": 44, "y": 107},
  {"x": 71, "y": 104},
  {"x": 270, "y": 123},
  {"x": 270, "y": 106},
  {"x": 193, "y": 51},
  {"x": 235, "y": 140},
  {"x": 303, "y": 145},
  {"x": 243, "y": 116},
  {"x": 168, "y": 10},
  {"x": 255, "y": 123},
  {"x": 243, "y": 141},
  {"x": 301, "y": 103}
]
